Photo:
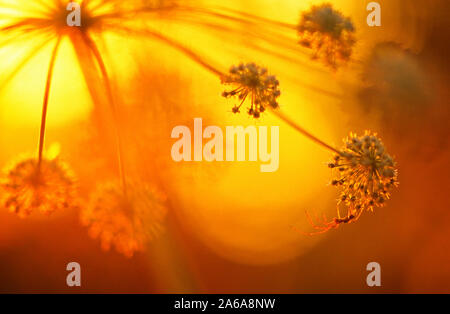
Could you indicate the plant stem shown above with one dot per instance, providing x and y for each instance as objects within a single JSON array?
[
  {"x": 194, "y": 56},
  {"x": 46, "y": 98},
  {"x": 246, "y": 15},
  {"x": 197, "y": 58},
  {"x": 293, "y": 124},
  {"x": 111, "y": 101}
]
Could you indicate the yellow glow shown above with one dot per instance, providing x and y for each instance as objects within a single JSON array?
[
  {"x": 69, "y": 98},
  {"x": 240, "y": 213}
]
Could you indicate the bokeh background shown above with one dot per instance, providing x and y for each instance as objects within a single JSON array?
[{"x": 230, "y": 228}]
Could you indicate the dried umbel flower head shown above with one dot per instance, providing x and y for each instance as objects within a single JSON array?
[
  {"x": 328, "y": 33},
  {"x": 126, "y": 220},
  {"x": 365, "y": 173},
  {"x": 252, "y": 82},
  {"x": 31, "y": 186}
]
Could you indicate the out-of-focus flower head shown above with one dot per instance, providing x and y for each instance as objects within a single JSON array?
[
  {"x": 29, "y": 186},
  {"x": 366, "y": 173},
  {"x": 254, "y": 83},
  {"x": 128, "y": 221},
  {"x": 328, "y": 33},
  {"x": 394, "y": 83}
]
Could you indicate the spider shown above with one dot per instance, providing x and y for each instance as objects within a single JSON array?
[{"x": 323, "y": 225}]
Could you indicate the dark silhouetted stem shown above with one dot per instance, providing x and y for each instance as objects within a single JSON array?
[
  {"x": 297, "y": 127},
  {"x": 112, "y": 103},
  {"x": 178, "y": 46},
  {"x": 46, "y": 98}
]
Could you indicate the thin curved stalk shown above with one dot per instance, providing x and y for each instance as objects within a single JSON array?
[
  {"x": 22, "y": 63},
  {"x": 46, "y": 98},
  {"x": 252, "y": 44},
  {"x": 195, "y": 57},
  {"x": 258, "y": 18},
  {"x": 93, "y": 47},
  {"x": 180, "y": 47},
  {"x": 304, "y": 132}
]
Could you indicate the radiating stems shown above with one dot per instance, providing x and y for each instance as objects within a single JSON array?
[
  {"x": 304, "y": 132},
  {"x": 252, "y": 16},
  {"x": 199, "y": 60},
  {"x": 191, "y": 54},
  {"x": 45, "y": 102},
  {"x": 174, "y": 44},
  {"x": 112, "y": 103}
]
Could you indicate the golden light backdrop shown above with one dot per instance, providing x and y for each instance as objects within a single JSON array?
[{"x": 237, "y": 212}]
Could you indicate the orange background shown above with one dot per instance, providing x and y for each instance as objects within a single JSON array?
[{"x": 229, "y": 227}]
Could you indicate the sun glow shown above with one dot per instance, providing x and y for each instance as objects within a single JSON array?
[
  {"x": 112, "y": 63},
  {"x": 69, "y": 100}
]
